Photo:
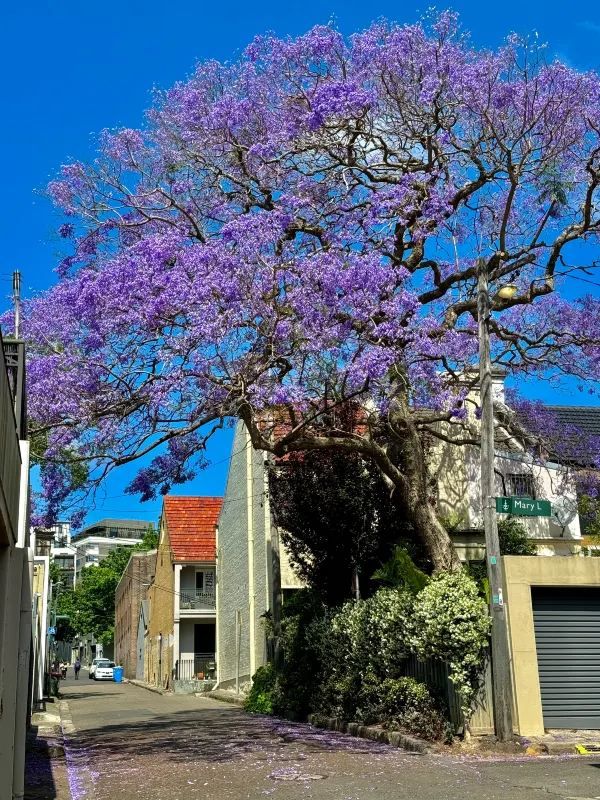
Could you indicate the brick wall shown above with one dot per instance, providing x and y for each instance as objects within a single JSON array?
[
  {"x": 129, "y": 594},
  {"x": 159, "y": 646},
  {"x": 232, "y": 565}
]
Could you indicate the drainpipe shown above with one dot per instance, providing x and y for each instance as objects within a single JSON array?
[
  {"x": 250, "y": 527},
  {"x": 160, "y": 659},
  {"x": 238, "y": 633}
]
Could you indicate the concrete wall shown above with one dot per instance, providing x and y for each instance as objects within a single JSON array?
[
  {"x": 11, "y": 573},
  {"x": 40, "y": 625},
  {"x": 521, "y": 573},
  {"x": 161, "y": 594},
  {"x": 16, "y": 580},
  {"x": 130, "y": 591},
  {"x": 186, "y": 638}
]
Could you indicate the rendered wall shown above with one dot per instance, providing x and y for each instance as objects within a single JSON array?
[{"x": 521, "y": 573}]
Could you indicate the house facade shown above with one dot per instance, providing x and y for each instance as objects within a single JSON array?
[
  {"x": 249, "y": 557},
  {"x": 456, "y": 472},
  {"x": 16, "y": 570},
  {"x": 131, "y": 591},
  {"x": 181, "y": 646}
]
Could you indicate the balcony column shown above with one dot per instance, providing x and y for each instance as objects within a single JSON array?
[{"x": 176, "y": 615}]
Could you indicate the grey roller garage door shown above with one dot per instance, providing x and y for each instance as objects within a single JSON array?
[{"x": 567, "y": 635}]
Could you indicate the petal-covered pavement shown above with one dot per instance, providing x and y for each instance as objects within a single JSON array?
[{"x": 124, "y": 742}]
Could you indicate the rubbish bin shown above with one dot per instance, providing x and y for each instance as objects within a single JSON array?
[{"x": 118, "y": 674}]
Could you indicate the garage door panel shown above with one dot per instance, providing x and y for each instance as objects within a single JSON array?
[{"x": 567, "y": 633}]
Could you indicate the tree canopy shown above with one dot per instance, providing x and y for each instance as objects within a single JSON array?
[
  {"x": 90, "y": 606},
  {"x": 303, "y": 228},
  {"x": 337, "y": 521}
]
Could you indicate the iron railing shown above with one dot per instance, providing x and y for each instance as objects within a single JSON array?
[
  {"x": 202, "y": 666},
  {"x": 196, "y": 599},
  {"x": 14, "y": 358},
  {"x": 10, "y": 459}
]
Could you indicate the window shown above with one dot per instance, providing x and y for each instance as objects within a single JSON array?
[
  {"x": 521, "y": 485},
  {"x": 199, "y": 581}
]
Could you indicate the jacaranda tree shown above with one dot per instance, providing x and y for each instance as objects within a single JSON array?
[{"x": 300, "y": 231}]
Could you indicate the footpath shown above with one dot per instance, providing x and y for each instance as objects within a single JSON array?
[{"x": 46, "y": 773}]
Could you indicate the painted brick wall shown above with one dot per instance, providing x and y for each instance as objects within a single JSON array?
[
  {"x": 232, "y": 567},
  {"x": 262, "y": 578},
  {"x": 232, "y": 564}
]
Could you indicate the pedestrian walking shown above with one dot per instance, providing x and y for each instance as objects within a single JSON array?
[{"x": 77, "y": 667}]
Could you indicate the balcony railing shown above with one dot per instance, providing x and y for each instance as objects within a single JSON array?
[
  {"x": 202, "y": 666},
  {"x": 197, "y": 600}
]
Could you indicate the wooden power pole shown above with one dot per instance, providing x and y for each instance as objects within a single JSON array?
[{"x": 501, "y": 673}]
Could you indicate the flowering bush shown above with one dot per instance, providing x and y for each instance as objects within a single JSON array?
[
  {"x": 354, "y": 664},
  {"x": 450, "y": 623}
]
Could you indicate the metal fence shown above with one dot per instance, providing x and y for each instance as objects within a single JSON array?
[
  {"x": 197, "y": 600},
  {"x": 436, "y": 675},
  {"x": 202, "y": 666}
]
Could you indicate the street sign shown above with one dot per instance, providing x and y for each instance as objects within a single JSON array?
[
  {"x": 523, "y": 507},
  {"x": 52, "y": 630}
]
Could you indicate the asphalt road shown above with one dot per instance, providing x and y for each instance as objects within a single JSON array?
[{"x": 127, "y": 742}]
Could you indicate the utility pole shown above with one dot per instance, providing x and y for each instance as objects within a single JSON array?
[
  {"x": 16, "y": 282},
  {"x": 501, "y": 676}
]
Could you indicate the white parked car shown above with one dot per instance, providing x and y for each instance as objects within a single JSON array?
[
  {"x": 104, "y": 671},
  {"x": 95, "y": 664}
]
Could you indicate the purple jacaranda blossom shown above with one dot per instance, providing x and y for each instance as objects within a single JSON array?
[{"x": 301, "y": 230}]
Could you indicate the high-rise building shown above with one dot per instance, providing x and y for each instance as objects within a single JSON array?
[
  {"x": 63, "y": 552},
  {"x": 93, "y": 543}
]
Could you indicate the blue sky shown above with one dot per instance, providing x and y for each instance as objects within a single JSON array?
[{"x": 71, "y": 69}]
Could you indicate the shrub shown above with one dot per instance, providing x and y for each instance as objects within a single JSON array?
[
  {"x": 400, "y": 572},
  {"x": 308, "y": 651},
  {"x": 373, "y": 633},
  {"x": 402, "y": 703},
  {"x": 514, "y": 539},
  {"x": 260, "y": 696},
  {"x": 451, "y": 623}
]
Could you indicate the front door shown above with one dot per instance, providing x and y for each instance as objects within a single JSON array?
[{"x": 204, "y": 639}]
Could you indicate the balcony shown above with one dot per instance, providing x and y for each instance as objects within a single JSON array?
[
  {"x": 196, "y": 600},
  {"x": 10, "y": 459}
]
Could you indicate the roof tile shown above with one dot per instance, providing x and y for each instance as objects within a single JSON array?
[{"x": 191, "y": 523}]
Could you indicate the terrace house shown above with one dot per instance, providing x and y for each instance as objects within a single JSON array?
[{"x": 181, "y": 644}]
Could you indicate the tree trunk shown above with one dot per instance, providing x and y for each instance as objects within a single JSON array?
[
  {"x": 355, "y": 583},
  {"x": 418, "y": 501},
  {"x": 435, "y": 537}
]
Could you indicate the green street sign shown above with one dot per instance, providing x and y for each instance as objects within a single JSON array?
[{"x": 523, "y": 507}]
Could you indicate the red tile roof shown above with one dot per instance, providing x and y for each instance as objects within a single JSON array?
[{"x": 191, "y": 523}]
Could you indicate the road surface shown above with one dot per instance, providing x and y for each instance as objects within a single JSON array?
[{"x": 127, "y": 743}]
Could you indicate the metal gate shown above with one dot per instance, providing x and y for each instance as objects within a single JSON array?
[{"x": 567, "y": 635}]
